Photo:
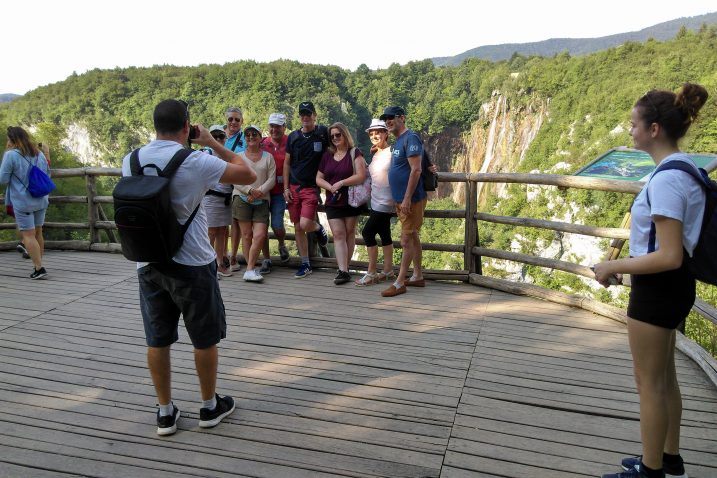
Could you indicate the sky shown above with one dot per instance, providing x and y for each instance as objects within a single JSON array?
[{"x": 45, "y": 41}]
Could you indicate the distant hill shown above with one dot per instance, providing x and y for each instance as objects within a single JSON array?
[
  {"x": 578, "y": 46},
  {"x": 6, "y": 97}
]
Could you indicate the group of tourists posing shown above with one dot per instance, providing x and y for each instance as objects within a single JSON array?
[
  {"x": 263, "y": 176},
  {"x": 291, "y": 170}
]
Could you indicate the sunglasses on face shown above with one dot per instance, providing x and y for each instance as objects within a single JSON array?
[
  {"x": 252, "y": 134},
  {"x": 390, "y": 118},
  {"x": 336, "y": 135},
  {"x": 232, "y": 119}
]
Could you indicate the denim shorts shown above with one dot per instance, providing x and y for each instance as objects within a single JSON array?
[
  {"x": 30, "y": 220},
  {"x": 277, "y": 205},
  {"x": 168, "y": 290}
]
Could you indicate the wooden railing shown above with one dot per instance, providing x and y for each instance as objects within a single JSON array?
[{"x": 471, "y": 249}]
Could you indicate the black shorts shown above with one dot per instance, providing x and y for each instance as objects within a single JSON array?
[
  {"x": 663, "y": 299},
  {"x": 339, "y": 212},
  {"x": 168, "y": 290}
]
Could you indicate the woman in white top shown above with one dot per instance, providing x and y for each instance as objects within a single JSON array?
[
  {"x": 663, "y": 290},
  {"x": 250, "y": 204},
  {"x": 382, "y": 207}
]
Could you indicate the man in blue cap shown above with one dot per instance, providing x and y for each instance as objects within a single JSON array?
[{"x": 404, "y": 177}]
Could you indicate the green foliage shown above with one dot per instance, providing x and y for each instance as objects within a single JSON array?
[{"x": 589, "y": 100}]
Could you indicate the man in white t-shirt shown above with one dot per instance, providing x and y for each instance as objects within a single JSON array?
[{"x": 187, "y": 285}]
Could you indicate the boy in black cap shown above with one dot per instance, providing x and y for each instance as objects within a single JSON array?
[{"x": 303, "y": 154}]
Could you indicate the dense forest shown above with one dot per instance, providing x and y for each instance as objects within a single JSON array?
[{"x": 588, "y": 102}]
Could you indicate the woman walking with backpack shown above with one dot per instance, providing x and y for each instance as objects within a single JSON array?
[
  {"x": 20, "y": 155},
  {"x": 666, "y": 222}
]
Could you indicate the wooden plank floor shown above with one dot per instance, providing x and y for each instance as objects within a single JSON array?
[{"x": 447, "y": 381}]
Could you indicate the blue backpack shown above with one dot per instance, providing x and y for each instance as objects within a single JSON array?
[
  {"x": 703, "y": 263},
  {"x": 39, "y": 183}
]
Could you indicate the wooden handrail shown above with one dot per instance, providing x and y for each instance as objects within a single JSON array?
[{"x": 471, "y": 248}]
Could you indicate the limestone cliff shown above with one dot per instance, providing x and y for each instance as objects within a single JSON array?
[{"x": 498, "y": 141}]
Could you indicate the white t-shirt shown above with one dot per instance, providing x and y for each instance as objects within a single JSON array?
[
  {"x": 674, "y": 194},
  {"x": 187, "y": 188},
  {"x": 381, "y": 198}
]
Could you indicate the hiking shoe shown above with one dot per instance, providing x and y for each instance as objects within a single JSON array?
[
  {"x": 284, "y": 254},
  {"x": 209, "y": 418},
  {"x": 304, "y": 270},
  {"x": 38, "y": 273},
  {"x": 167, "y": 425},
  {"x": 671, "y": 470},
  {"x": 21, "y": 249},
  {"x": 234, "y": 265},
  {"x": 342, "y": 277},
  {"x": 265, "y": 267},
  {"x": 223, "y": 272},
  {"x": 322, "y": 237},
  {"x": 251, "y": 275}
]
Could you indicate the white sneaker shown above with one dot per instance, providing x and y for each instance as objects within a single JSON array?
[{"x": 253, "y": 276}]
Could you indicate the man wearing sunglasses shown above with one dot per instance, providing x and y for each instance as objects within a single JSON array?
[
  {"x": 236, "y": 143},
  {"x": 404, "y": 177},
  {"x": 304, "y": 150}
]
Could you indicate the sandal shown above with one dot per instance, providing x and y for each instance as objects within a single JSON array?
[
  {"x": 386, "y": 276},
  {"x": 367, "y": 279}
]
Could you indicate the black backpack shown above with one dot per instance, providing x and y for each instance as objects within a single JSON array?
[
  {"x": 429, "y": 179},
  {"x": 148, "y": 227},
  {"x": 703, "y": 263}
]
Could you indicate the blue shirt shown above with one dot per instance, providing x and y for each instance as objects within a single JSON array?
[
  {"x": 13, "y": 172},
  {"x": 230, "y": 143},
  {"x": 408, "y": 144}
]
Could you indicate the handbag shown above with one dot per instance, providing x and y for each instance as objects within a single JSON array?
[{"x": 360, "y": 193}]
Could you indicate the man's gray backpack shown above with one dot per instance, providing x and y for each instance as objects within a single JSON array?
[{"x": 148, "y": 228}]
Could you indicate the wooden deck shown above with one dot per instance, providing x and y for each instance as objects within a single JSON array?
[{"x": 449, "y": 381}]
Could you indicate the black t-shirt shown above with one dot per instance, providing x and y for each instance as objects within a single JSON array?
[{"x": 306, "y": 150}]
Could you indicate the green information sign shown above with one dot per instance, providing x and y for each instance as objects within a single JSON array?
[{"x": 631, "y": 165}]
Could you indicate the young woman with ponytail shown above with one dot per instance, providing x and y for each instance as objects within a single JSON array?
[{"x": 662, "y": 291}]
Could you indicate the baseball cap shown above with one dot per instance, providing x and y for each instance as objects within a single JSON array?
[
  {"x": 392, "y": 111},
  {"x": 277, "y": 118},
  {"x": 307, "y": 106},
  {"x": 216, "y": 127},
  {"x": 377, "y": 124},
  {"x": 254, "y": 127}
]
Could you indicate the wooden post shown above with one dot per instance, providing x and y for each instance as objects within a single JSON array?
[
  {"x": 92, "y": 214},
  {"x": 470, "y": 262}
]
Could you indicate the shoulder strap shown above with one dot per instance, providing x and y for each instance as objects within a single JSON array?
[
  {"x": 185, "y": 226},
  {"x": 237, "y": 141},
  {"x": 135, "y": 168},
  {"x": 682, "y": 166},
  {"x": 175, "y": 162}
]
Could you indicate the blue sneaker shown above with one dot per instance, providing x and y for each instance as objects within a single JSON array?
[
  {"x": 671, "y": 470},
  {"x": 632, "y": 473},
  {"x": 322, "y": 237},
  {"x": 304, "y": 270}
]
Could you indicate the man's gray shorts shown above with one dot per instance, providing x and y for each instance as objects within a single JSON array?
[{"x": 166, "y": 290}]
